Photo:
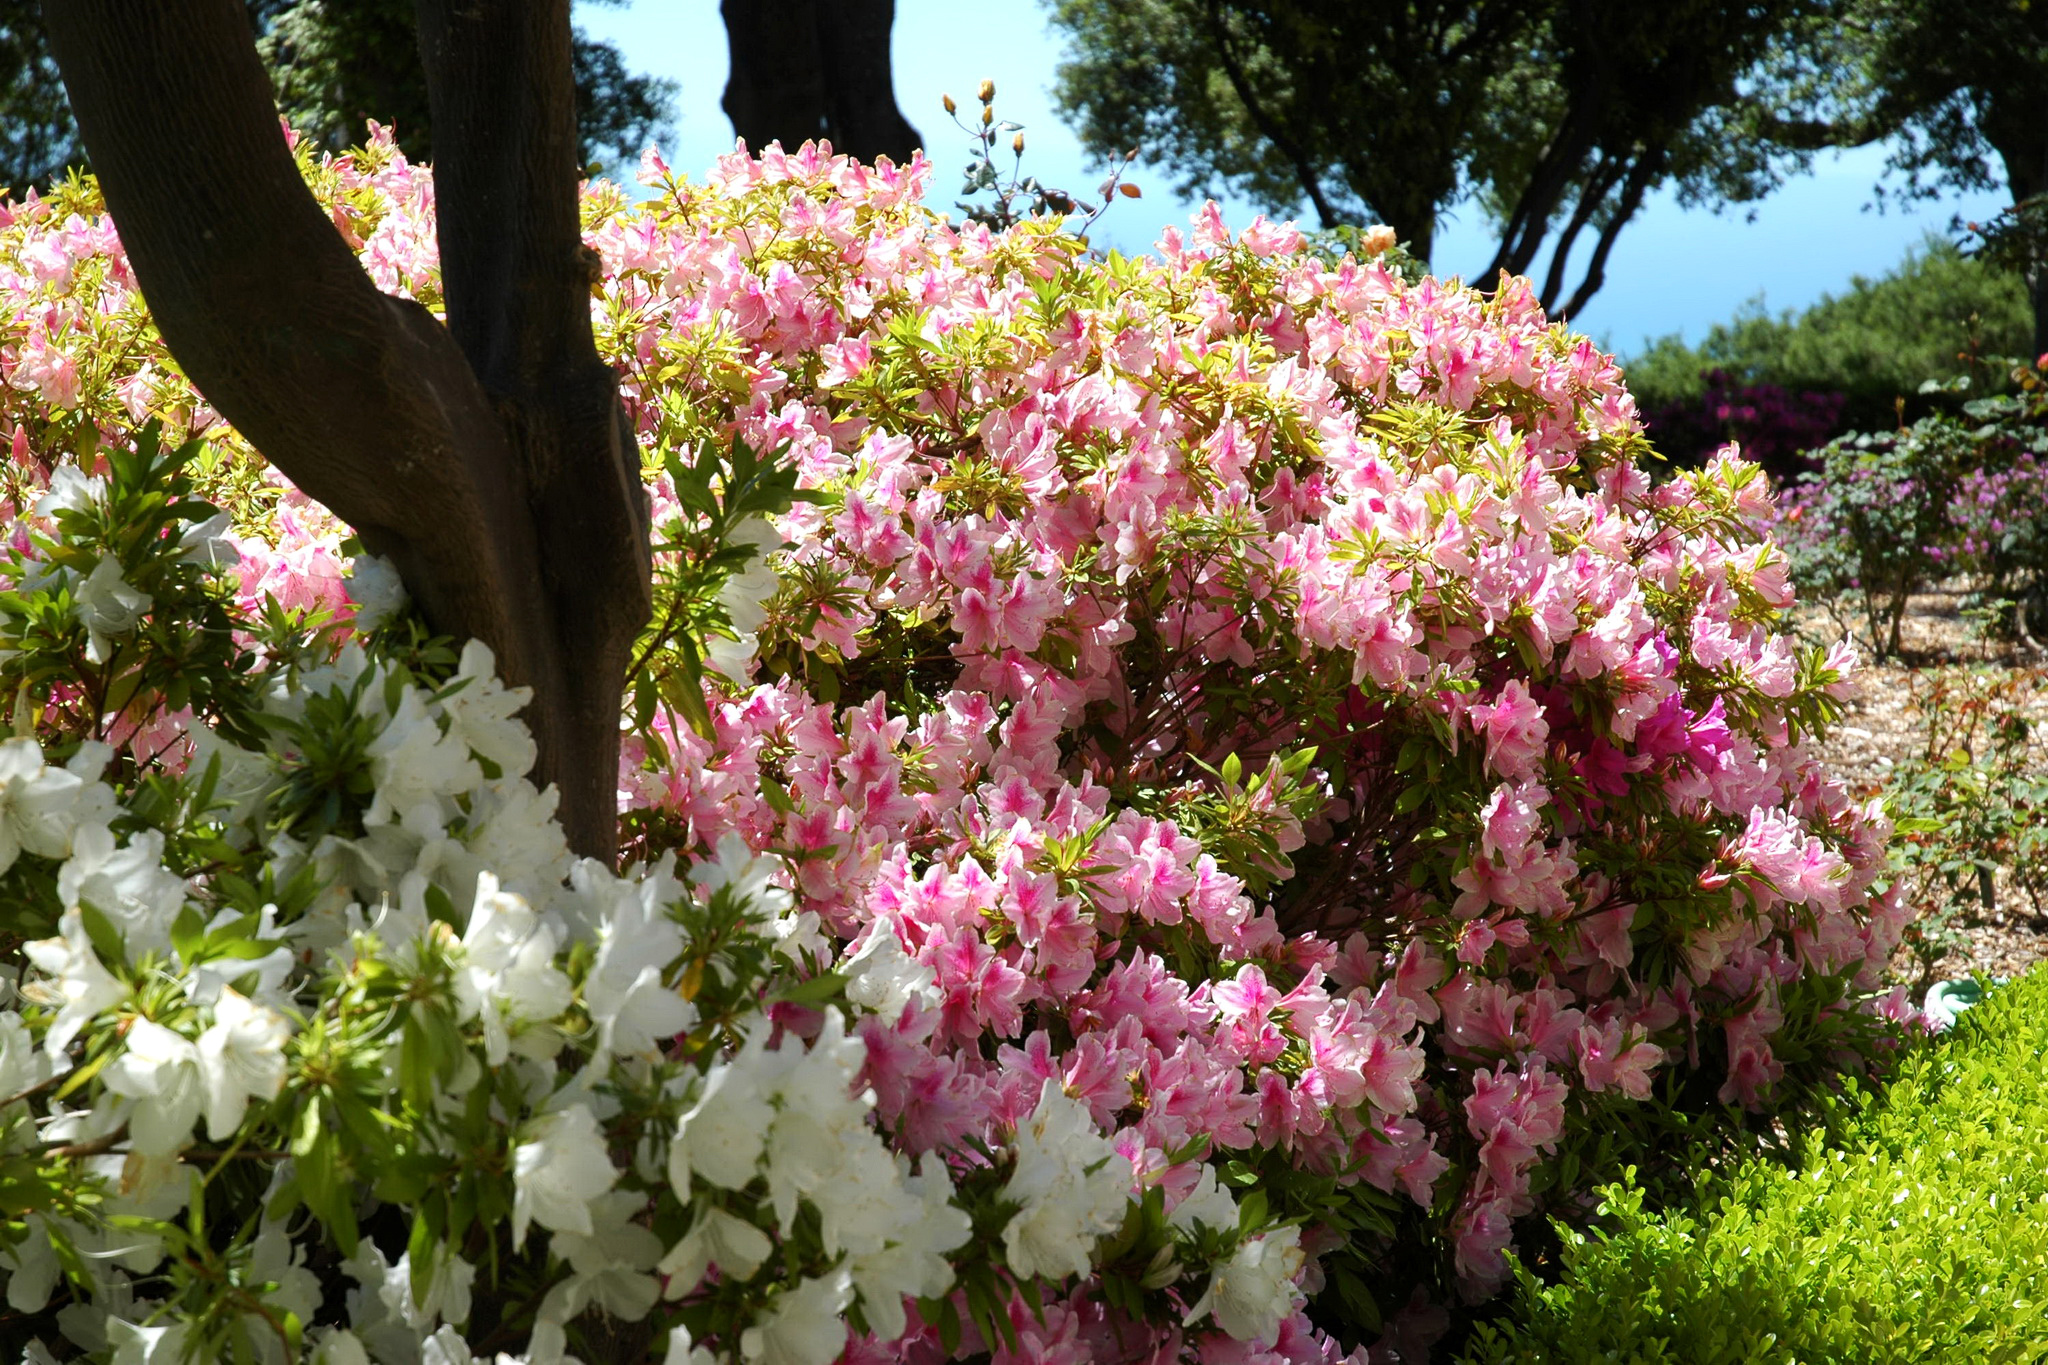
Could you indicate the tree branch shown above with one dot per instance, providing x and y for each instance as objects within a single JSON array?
[
  {"x": 1311, "y": 183},
  {"x": 1605, "y": 172},
  {"x": 1644, "y": 174},
  {"x": 1530, "y": 222}
]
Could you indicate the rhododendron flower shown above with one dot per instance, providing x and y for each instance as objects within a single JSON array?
[
  {"x": 241, "y": 1057},
  {"x": 558, "y": 1169},
  {"x": 1069, "y": 1188},
  {"x": 1252, "y": 1292}
]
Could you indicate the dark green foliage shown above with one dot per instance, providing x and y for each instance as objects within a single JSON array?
[
  {"x": 1876, "y": 342},
  {"x": 1956, "y": 91},
  {"x": 37, "y": 139},
  {"x": 1922, "y": 1236}
]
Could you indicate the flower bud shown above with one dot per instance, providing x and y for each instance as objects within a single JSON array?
[
  {"x": 988, "y": 116},
  {"x": 987, "y": 91},
  {"x": 947, "y": 100},
  {"x": 1017, "y": 144}
]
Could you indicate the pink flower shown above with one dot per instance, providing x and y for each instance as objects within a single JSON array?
[{"x": 1515, "y": 731}]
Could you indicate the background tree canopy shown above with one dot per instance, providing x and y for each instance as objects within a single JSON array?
[
  {"x": 1875, "y": 342},
  {"x": 338, "y": 63},
  {"x": 334, "y": 65},
  {"x": 1558, "y": 117},
  {"x": 1962, "y": 91}
]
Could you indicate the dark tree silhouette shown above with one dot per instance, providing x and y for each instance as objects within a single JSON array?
[
  {"x": 805, "y": 69},
  {"x": 489, "y": 457}
]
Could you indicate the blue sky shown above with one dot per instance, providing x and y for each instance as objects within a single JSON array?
[{"x": 1672, "y": 270}]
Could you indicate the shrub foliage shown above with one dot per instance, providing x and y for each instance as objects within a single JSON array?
[{"x": 1919, "y": 1237}]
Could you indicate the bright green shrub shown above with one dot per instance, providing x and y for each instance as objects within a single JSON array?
[{"x": 1922, "y": 1237}]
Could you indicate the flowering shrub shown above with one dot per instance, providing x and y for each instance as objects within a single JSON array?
[
  {"x": 1887, "y": 515},
  {"x": 1173, "y": 802}
]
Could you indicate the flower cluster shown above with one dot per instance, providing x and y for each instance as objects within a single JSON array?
[
  {"x": 1175, "y": 800},
  {"x": 326, "y": 957}
]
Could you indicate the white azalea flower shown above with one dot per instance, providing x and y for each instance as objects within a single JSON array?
[
  {"x": 805, "y": 1326},
  {"x": 80, "y": 985},
  {"x": 610, "y": 1264},
  {"x": 209, "y": 542},
  {"x": 750, "y": 875},
  {"x": 507, "y": 975},
  {"x": 556, "y": 1173},
  {"x": 745, "y": 597},
  {"x": 127, "y": 883},
  {"x": 21, "y": 1066},
  {"x": 107, "y": 605},
  {"x": 32, "y": 1266},
  {"x": 683, "y": 1351},
  {"x": 446, "y": 1347},
  {"x": 720, "y": 1138},
  {"x": 414, "y": 764},
  {"x": 512, "y": 830},
  {"x": 276, "y": 1260},
  {"x": 374, "y": 586},
  {"x": 448, "y": 1293},
  {"x": 339, "y": 1346},
  {"x": 636, "y": 941},
  {"x": 240, "y": 1058},
  {"x": 483, "y": 714},
  {"x": 716, "y": 1238},
  {"x": 1207, "y": 1204},
  {"x": 159, "y": 1071},
  {"x": 915, "y": 1231},
  {"x": 38, "y": 804},
  {"x": 819, "y": 1121},
  {"x": 70, "y": 490},
  {"x": 1253, "y": 1292},
  {"x": 1072, "y": 1187},
  {"x": 135, "y": 1345},
  {"x": 883, "y": 978}
]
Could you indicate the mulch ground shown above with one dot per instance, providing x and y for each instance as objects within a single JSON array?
[{"x": 1882, "y": 726}]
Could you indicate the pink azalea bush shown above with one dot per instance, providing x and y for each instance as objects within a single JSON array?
[{"x": 1261, "y": 701}]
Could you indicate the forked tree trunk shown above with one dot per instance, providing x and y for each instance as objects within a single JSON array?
[
  {"x": 487, "y": 457},
  {"x": 804, "y": 69}
]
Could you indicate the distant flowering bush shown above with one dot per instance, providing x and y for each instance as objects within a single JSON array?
[
  {"x": 1954, "y": 496},
  {"x": 1174, "y": 801},
  {"x": 1775, "y": 426}
]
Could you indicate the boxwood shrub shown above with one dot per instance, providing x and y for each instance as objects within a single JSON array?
[{"x": 1921, "y": 1235}]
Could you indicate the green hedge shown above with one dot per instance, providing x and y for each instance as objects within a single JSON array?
[{"x": 1921, "y": 1237}]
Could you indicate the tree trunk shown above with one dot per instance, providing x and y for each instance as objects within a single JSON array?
[
  {"x": 807, "y": 69},
  {"x": 488, "y": 457}
]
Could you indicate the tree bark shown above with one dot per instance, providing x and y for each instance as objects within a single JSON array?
[
  {"x": 808, "y": 69},
  {"x": 487, "y": 458}
]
